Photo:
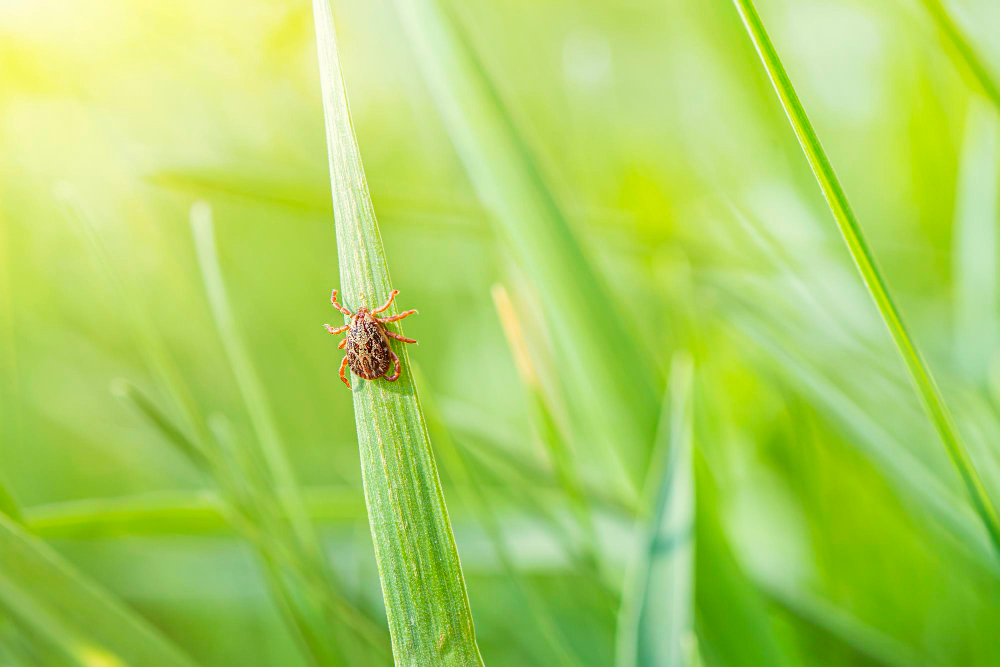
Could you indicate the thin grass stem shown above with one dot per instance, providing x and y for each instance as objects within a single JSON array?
[{"x": 864, "y": 259}]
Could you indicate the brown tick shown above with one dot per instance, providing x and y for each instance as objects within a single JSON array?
[{"x": 367, "y": 342}]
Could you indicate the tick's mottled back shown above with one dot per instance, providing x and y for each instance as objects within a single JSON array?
[
  {"x": 368, "y": 352},
  {"x": 367, "y": 342}
]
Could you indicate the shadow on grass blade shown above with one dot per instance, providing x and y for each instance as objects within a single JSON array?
[{"x": 422, "y": 582}]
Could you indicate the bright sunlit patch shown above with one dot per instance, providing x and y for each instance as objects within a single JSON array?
[{"x": 95, "y": 656}]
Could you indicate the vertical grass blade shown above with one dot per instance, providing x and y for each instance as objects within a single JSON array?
[
  {"x": 657, "y": 611},
  {"x": 967, "y": 56},
  {"x": 474, "y": 499},
  {"x": 45, "y": 594},
  {"x": 861, "y": 253},
  {"x": 251, "y": 388},
  {"x": 974, "y": 248},
  {"x": 619, "y": 410},
  {"x": 269, "y": 471},
  {"x": 422, "y": 582},
  {"x": 546, "y": 428},
  {"x": 8, "y": 366}
]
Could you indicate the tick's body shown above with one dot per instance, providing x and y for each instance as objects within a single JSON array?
[{"x": 367, "y": 342}]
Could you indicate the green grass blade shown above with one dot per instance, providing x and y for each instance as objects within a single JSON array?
[
  {"x": 474, "y": 499},
  {"x": 904, "y": 471},
  {"x": 251, "y": 388},
  {"x": 966, "y": 55},
  {"x": 317, "y": 615},
  {"x": 144, "y": 406},
  {"x": 975, "y": 244},
  {"x": 45, "y": 593},
  {"x": 8, "y": 505},
  {"x": 864, "y": 639},
  {"x": 734, "y": 624},
  {"x": 422, "y": 582},
  {"x": 862, "y": 255},
  {"x": 171, "y": 513},
  {"x": 8, "y": 365},
  {"x": 546, "y": 428},
  {"x": 656, "y": 618},
  {"x": 620, "y": 413}
]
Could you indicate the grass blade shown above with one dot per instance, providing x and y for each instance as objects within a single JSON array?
[
  {"x": 734, "y": 624},
  {"x": 171, "y": 513},
  {"x": 317, "y": 616},
  {"x": 8, "y": 505},
  {"x": 620, "y": 414},
  {"x": 866, "y": 640},
  {"x": 907, "y": 474},
  {"x": 43, "y": 592},
  {"x": 251, "y": 388},
  {"x": 8, "y": 364},
  {"x": 861, "y": 253},
  {"x": 975, "y": 244},
  {"x": 145, "y": 407},
  {"x": 422, "y": 582},
  {"x": 966, "y": 55},
  {"x": 657, "y": 611},
  {"x": 546, "y": 428},
  {"x": 474, "y": 499}
]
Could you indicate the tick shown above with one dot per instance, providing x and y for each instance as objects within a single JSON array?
[{"x": 367, "y": 342}]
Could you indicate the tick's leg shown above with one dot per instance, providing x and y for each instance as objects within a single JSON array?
[
  {"x": 343, "y": 343},
  {"x": 333, "y": 300},
  {"x": 395, "y": 317},
  {"x": 343, "y": 365},
  {"x": 387, "y": 303},
  {"x": 397, "y": 336},
  {"x": 338, "y": 329},
  {"x": 395, "y": 375}
]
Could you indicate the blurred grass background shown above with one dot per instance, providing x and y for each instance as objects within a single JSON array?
[{"x": 830, "y": 527}]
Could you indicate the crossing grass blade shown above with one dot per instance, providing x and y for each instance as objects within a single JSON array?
[
  {"x": 861, "y": 253},
  {"x": 656, "y": 618},
  {"x": 46, "y": 595},
  {"x": 426, "y": 603},
  {"x": 619, "y": 414},
  {"x": 964, "y": 52}
]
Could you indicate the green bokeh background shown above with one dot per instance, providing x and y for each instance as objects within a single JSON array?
[{"x": 661, "y": 137}]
